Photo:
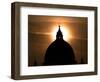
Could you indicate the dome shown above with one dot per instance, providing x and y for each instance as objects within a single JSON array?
[{"x": 59, "y": 52}]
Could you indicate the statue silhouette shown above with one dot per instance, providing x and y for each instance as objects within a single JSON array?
[{"x": 59, "y": 52}]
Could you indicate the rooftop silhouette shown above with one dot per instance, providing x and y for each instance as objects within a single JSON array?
[{"x": 59, "y": 52}]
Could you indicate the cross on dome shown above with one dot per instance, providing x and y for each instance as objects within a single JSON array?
[{"x": 59, "y": 34}]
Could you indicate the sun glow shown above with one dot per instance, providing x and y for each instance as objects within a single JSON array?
[{"x": 65, "y": 32}]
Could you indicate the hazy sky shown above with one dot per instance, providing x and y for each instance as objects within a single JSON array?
[{"x": 39, "y": 36}]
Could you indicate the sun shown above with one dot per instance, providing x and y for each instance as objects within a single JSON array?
[{"x": 65, "y": 32}]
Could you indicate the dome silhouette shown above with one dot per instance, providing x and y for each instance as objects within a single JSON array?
[{"x": 59, "y": 52}]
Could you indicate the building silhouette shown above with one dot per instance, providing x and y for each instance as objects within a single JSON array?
[
  {"x": 59, "y": 52},
  {"x": 82, "y": 61},
  {"x": 35, "y": 63}
]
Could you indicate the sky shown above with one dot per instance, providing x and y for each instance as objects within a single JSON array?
[{"x": 42, "y": 31}]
